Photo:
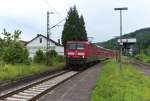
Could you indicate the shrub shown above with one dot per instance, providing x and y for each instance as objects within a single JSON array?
[
  {"x": 143, "y": 57},
  {"x": 49, "y": 58},
  {"x": 53, "y": 53},
  {"x": 60, "y": 58},
  {"x": 39, "y": 57},
  {"x": 25, "y": 54},
  {"x": 14, "y": 53},
  {"x": 2, "y": 63}
]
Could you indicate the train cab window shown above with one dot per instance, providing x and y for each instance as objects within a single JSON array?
[
  {"x": 80, "y": 46},
  {"x": 75, "y": 46},
  {"x": 71, "y": 46}
]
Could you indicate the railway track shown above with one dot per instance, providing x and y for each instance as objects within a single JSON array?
[
  {"x": 34, "y": 91},
  {"x": 145, "y": 68},
  {"x": 141, "y": 64}
]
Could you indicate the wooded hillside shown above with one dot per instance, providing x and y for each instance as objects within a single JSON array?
[{"x": 142, "y": 36}]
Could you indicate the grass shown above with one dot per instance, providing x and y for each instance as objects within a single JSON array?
[
  {"x": 143, "y": 57},
  {"x": 13, "y": 72},
  {"x": 126, "y": 85}
]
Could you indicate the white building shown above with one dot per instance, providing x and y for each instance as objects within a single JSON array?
[{"x": 40, "y": 42}]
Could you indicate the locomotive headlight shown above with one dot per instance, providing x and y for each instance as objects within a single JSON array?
[
  {"x": 70, "y": 53},
  {"x": 81, "y": 54}
]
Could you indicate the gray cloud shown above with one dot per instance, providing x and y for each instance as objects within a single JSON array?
[{"x": 102, "y": 22}]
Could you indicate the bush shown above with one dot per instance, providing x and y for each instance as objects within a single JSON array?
[
  {"x": 14, "y": 54},
  {"x": 39, "y": 57},
  {"x": 25, "y": 54},
  {"x": 143, "y": 57},
  {"x": 53, "y": 53},
  {"x": 49, "y": 58},
  {"x": 60, "y": 58},
  {"x": 2, "y": 63}
]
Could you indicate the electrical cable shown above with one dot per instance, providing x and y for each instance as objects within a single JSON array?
[
  {"x": 58, "y": 23},
  {"x": 47, "y": 3}
]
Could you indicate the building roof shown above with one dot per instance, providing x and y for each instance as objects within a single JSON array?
[
  {"x": 56, "y": 43},
  {"x": 23, "y": 42}
]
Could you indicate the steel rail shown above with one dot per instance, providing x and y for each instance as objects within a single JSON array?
[
  {"x": 2, "y": 97},
  {"x": 136, "y": 62}
]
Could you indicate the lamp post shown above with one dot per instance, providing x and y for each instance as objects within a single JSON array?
[{"x": 121, "y": 43}]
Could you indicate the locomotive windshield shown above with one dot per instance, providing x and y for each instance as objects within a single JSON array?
[
  {"x": 80, "y": 46},
  {"x": 75, "y": 46},
  {"x": 71, "y": 46}
]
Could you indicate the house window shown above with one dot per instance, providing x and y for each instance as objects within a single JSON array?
[{"x": 40, "y": 40}]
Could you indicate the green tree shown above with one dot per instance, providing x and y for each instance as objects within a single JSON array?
[
  {"x": 74, "y": 27},
  {"x": 82, "y": 29},
  {"x": 16, "y": 35},
  {"x": 11, "y": 50},
  {"x": 14, "y": 53},
  {"x": 7, "y": 38}
]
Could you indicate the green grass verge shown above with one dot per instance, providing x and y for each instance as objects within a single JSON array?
[
  {"x": 126, "y": 85},
  {"x": 143, "y": 57},
  {"x": 13, "y": 72}
]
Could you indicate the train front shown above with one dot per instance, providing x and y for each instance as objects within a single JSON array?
[{"x": 75, "y": 53}]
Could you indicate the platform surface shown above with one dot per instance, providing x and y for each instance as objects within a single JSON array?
[{"x": 78, "y": 88}]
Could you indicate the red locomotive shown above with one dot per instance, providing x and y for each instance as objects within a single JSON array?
[{"x": 84, "y": 52}]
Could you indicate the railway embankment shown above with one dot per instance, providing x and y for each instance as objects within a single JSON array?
[
  {"x": 13, "y": 72},
  {"x": 127, "y": 84}
]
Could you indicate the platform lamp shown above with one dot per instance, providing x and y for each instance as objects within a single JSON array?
[{"x": 121, "y": 43}]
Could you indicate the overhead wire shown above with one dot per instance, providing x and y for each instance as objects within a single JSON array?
[
  {"x": 59, "y": 14},
  {"x": 47, "y": 3},
  {"x": 58, "y": 23}
]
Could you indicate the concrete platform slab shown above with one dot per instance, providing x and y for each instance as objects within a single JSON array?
[{"x": 78, "y": 88}]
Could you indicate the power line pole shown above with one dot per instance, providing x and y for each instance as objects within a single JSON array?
[
  {"x": 48, "y": 32},
  {"x": 48, "y": 29},
  {"x": 121, "y": 43}
]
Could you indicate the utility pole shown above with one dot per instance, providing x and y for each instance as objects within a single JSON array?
[
  {"x": 48, "y": 31},
  {"x": 121, "y": 43}
]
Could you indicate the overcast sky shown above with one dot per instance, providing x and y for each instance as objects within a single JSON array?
[{"x": 102, "y": 22}]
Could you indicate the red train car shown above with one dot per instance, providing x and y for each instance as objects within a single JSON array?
[{"x": 83, "y": 52}]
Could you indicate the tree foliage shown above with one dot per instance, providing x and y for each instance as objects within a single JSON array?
[
  {"x": 14, "y": 53},
  {"x": 11, "y": 51},
  {"x": 142, "y": 36},
  {"x": 74, "y": 27}
]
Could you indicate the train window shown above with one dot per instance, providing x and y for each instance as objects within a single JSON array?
[
  {"x": 71, "y": 46},
  {"x": 80, "y": 46},
  {"x": 74, "y": 46}
]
